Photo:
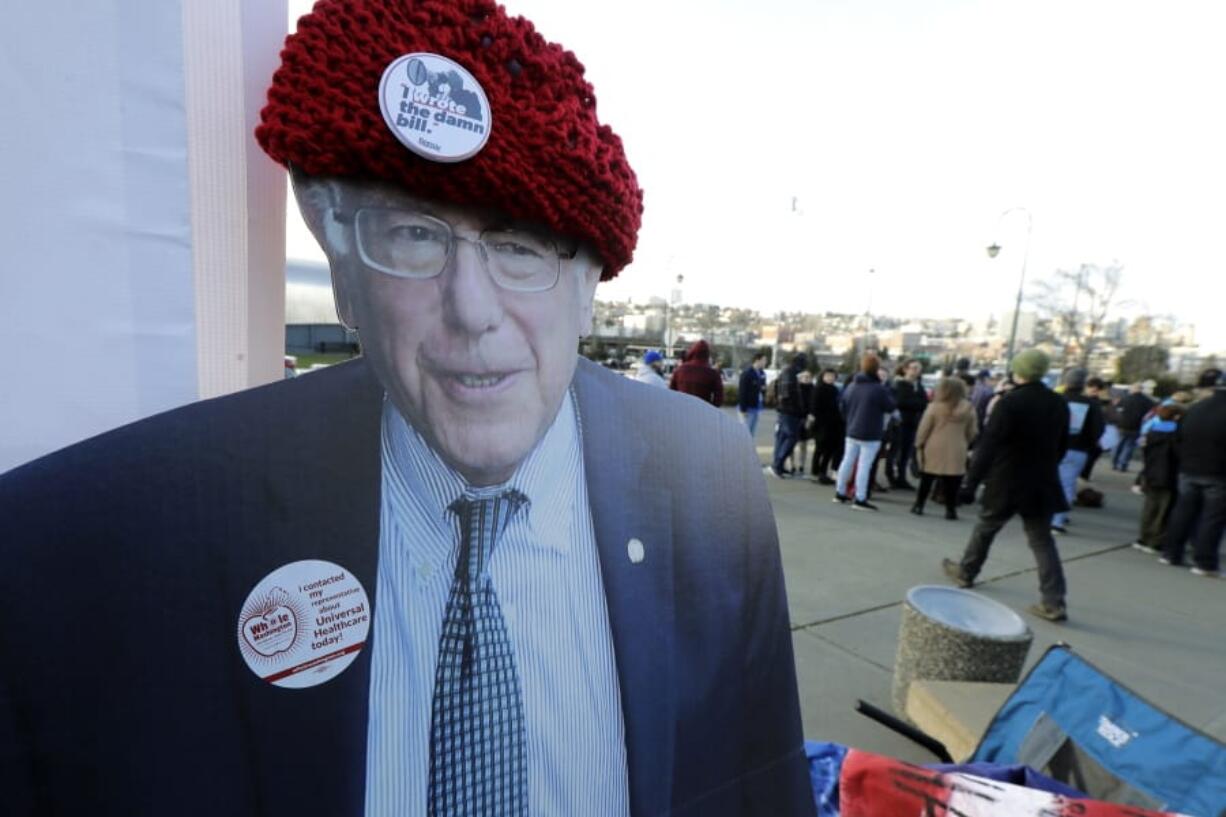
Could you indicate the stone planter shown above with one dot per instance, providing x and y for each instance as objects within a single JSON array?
[{"x": 949, "y": 634}]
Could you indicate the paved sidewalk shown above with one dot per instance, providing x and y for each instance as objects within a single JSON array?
[{"x": 1159, "y": 630}]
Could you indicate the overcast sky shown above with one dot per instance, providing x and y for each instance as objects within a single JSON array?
[{"x": 904, "y": 129}]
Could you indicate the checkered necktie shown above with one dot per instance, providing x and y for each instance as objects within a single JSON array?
[{"x": 477, "y": 764}]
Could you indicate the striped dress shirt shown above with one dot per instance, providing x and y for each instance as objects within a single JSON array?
[{"x": 546, "y": 572}]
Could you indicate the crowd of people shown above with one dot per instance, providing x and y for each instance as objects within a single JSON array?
[
  {"x": 1013, "y": 444},
  {"x": 1032, "y": 449}
]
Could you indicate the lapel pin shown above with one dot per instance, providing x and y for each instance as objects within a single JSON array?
[{"x": 634, "y": 549}]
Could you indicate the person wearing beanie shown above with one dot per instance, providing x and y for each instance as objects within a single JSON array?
[
  {"x": 463, "y": 574},
  {"x": 1017, "y": 459},
  {"x": 697, "y": 376},
  {"x": 651, "y": 370},
  {"x": 1086, "y": 426},
  {"x": 749, "y": 393},
  {"x": 792, "y": 412}
]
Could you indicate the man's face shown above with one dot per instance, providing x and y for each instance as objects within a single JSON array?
[
  {"x": 759, "y": 363},
  {"x": 828, "y": 377},
  {"x": 914, "y": 370},
  {"x": 478, "y": 370}
]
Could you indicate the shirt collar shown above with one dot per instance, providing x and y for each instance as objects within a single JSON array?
[{"x": 418, "y": 478}]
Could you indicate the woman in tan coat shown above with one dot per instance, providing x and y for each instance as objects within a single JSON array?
[{"x": 944, "y": 436}]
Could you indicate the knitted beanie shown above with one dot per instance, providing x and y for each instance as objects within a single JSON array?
[
  {"x": 1031, "y": 364},
  {"x": 548, "y": 159}
]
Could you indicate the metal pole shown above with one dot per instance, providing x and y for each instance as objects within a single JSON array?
[
  {"x": 1017, "y": 306},
  {"x": 868, "y": 322}
]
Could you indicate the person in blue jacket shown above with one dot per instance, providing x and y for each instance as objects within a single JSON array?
[{"x": 866, "y": 405}]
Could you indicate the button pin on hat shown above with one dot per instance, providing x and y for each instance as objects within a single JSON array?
[{"x": 634, "y": 549}]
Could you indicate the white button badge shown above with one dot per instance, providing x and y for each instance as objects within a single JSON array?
[
  {"x": 435, "y": 107},
  {"x": 634, "y": 549},
  {"x": 303, "y": 624}
]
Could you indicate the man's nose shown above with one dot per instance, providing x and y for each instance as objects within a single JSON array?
[{"x": 472, "y": 301}]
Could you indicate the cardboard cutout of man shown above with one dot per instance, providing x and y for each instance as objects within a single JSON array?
[{"x": 460, "y": 575}]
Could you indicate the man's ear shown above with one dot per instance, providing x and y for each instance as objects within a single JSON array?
[
  {"x": 318, "y": 200},
  {"x": 589, "y": 276}
]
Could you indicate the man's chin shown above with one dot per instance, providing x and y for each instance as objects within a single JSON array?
[{"x": 483, "y": 456}]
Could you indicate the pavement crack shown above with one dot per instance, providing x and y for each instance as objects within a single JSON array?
[{"x": 851, "y": 652}]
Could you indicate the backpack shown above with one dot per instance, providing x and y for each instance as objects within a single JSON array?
[{"x": 1089, "y": 498}]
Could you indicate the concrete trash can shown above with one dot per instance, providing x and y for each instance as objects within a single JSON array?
[{"x": 949, "y": 634}]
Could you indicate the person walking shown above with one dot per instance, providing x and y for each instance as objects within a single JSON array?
[
  {"x": 912, "y": 401},
  {"x": 1017, "y": 458},
  {"x": 1159, "y": 475},
  {"x": 696, "y": 376},
  {"x": 651, "y": 370},
  {"x": 943, "y": 438},
  {"x": 864, "y": 405},
  {"x": 749, "y": 391},
  {"x": 1131, "y": 413},
  {"x": 791, "y": 413},
  {"x": 1200, "y": 511},
  {"x": 829, "y": 429},
  {"x": 1085, "y": 427}
]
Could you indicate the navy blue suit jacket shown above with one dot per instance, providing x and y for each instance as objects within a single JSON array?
[{"x": 125, "y": 559}]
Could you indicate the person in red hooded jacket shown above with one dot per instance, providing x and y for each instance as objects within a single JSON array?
[{"x": 695, "y": 376}]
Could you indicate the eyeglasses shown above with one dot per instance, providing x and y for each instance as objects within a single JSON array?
[{"x": 408, "y": 244}]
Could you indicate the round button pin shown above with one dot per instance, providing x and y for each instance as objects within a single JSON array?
[
  {"x": 435, "y": 107},
  {"x": 634, "y": 549},
  {"x": 303, "y": 624}
]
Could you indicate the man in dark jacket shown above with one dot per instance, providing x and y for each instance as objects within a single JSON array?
[
  {"x": 865, "y": 404},
  {"x": 791, "y": 409},
  {"x": 1018, "y": 457},
  {"x": 1085, "y": 427},
  {"x": 912, "y": 400},
  {"x": 828, "y": 427},
  {"x": 749, "y": 393},
  {"x": 1132, "y": 411},
  {"x": 696, "y": 376},
  {"x": 1201, "y": 506}
]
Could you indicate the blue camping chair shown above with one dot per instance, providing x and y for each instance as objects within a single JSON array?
[
  {"x": 1078, "y": 726},
  {"x": 1073, "y": 722}
]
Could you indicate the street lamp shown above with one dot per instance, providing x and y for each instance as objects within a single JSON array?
[
  {"x": 993, "y": 251},
  {"x": 674, "y": 298}
]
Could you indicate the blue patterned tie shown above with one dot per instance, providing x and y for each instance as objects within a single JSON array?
[{"x": 477, "y": 764}]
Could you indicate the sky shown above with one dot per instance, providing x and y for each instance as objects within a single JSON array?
[{"x": 902, "y": 130}]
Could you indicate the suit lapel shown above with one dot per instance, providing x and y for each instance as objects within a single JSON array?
[
  {"x": 629, "y": 502},
  {"x": 307, "y": 747}
]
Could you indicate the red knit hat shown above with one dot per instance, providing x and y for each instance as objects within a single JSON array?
[{"x": 548, "y": 158}]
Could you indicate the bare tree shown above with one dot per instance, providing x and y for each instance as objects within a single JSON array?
[{"x": 1079, "y": 304}]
